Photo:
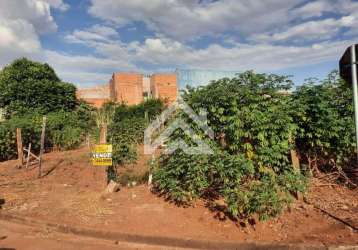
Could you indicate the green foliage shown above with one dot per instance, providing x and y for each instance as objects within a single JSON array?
[
  {"x": 28, "y": 86},
  {"x": 127, "y": 129},
  {"x": 152, "y": 107},
  {"x": 85, "y": 117},
  {"x": 324, "y": 113},
  {"x": 7, "y": 142},
  {"x": 64, "y": 130},
  {"x": 105, "y": 114},
  {"x": 125, "y": 136},
  {"x": 31, "y": 131},
  {"x": 250, "y": 167}
]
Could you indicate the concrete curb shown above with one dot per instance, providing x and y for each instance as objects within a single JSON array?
[{"x": 162, "y": 241}]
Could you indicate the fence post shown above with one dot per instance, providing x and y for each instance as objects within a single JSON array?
[
  {"x": 42, "y": 145},
  {"x": 20, "y": 154},
  {"x": 103, "y": 140},
  {"x": 28, "y": 156},
  {"x": 103, "y": 134}
]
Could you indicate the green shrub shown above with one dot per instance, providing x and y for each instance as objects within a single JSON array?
[
  {"x": 31, "y": 131},
  {"x": 250, "y": 167},
  {"x": 324, "y": 114},
  {"x": 67, "y": 138},
  {"x": 7, "y": 143},
  {"x": 127, "y": 129},
  {"x": 64, "y": 130},
  {"x": 152, "y": 107}
]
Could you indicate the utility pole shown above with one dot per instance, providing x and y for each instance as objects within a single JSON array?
[
  {"x": 355, "y": 90},
  {"x": 348, "y": 72}
]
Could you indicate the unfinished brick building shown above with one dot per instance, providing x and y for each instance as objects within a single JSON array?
[
  {"x": 164, "y": 86},
  {"x": 126, "y": 88},
  {"x": 133, "y": 88},
  {"x": 95, "y": 96}
]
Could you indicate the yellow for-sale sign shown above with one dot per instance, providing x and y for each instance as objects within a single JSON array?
[{"x": 102, "y": 155}]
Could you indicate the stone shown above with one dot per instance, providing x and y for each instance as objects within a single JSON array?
[
  {"x": 344, "y": 207},
  {"x": 112, "y": 187},
  {"x": 23, "y": 207}
]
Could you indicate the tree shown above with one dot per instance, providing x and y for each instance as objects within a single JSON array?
[{"x": 26, "y": 85}]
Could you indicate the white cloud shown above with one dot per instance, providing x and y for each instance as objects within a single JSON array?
[
  {"x": 17, "y": 39},
  {"x": 262, "y": 57},
  {"x": 21, "y": 22},
  {"x": 319, "y": 7},
  {"x": 58, "y": 4},
  {"x": 313, "y": 9},
  {"x": 261, "y": 35},
  {"x": 34, "y": 12},
  {"x": 94, "y": 34},
  {"x": 18, "y": 34},
  {"x": 84, "y": 70},
  {"x": 159, "y": 51},
  {"x": 186, "y": 20},
  {"x": 310, "y": 31}
]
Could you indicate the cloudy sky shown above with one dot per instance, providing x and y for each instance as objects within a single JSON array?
[{"x": 86, "y": 40}]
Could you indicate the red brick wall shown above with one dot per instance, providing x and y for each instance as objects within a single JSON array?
[
  {"x": 164, "y": 86},
  {"x": 128, "y": 88}
]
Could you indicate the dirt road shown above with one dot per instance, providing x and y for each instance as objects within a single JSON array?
[
  {"x": 15, "y": 236},
  {"x": 71, "y": 193}
]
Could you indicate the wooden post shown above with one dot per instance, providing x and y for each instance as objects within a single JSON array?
[
  {"x": 42, "y": 145},
  {"x": 103, "y": 140},
  {"x": 296, "y": 167},
  {"x": 103, "y": 134},
  {"x": 20, "y": 154},
  {"x": 295, "y": 160},
  {"x": 295, "y": 164},
  {"x": 88, "y": 141},
  {"x": 28, "y": 156}
]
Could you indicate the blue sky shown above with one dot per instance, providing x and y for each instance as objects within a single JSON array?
[{"x": 86, "y": 40}]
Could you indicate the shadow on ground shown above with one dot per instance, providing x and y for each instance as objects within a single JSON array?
[{"x": 2, "y": 202}]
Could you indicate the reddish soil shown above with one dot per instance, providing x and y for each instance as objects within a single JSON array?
[{"x": 71, "y": 192}]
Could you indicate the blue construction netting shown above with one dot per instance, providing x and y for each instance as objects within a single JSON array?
[{"x": 196, "y": 78}]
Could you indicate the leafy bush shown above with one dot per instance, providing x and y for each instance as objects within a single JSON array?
[
  {"x": 125, "y": 136},
  {"x": 250, "y": 167},
  {"x": 7, "y": 142},
  {"x": 127, "y": 128},
  {"x": 64, "y": 130},
  {"x": 324, "y": 115},
  {"x": 31, "y": 131},
  {"x": 28, "y": 86},
  {"x": 151, "y": 107}
]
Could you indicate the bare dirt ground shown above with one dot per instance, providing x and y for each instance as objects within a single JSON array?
[
  {"x": 71, "y": 193},
  {"x": 15, "y": 236}
]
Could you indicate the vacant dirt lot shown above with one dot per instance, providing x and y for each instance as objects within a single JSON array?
[{"x": 71, "y": 193}]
